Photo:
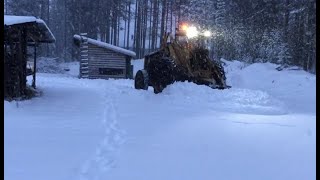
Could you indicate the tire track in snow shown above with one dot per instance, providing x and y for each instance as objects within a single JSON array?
[{"x": 104, "y": 157}]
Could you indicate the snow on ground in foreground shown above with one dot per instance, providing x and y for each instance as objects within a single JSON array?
[{"x": 105, "y": 129}]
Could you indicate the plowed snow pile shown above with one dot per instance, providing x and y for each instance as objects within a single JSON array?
[{"x": 80, "y": 129}]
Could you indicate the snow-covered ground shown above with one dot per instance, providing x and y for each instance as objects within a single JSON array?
[{"x": 264, "y": 127}]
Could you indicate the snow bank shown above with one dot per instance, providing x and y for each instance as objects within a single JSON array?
[
  {"x": 71, "y": 68},
  {"x": 54, "y": 66},
  {"x": 234, "y": 65},
  {"x": 270, "y": 87},
  {"x": 49, "y": 65},
  {"x": 297, "y": 88},
  {"x": 236, "y": 100}
]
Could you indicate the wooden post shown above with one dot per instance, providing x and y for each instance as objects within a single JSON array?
[
  {"x": 12, "y": 77},
  {"x": 65, "y": 31},
  {"x": 24, "y": 60},
  {"x": 6, "y": 67},
  {"x": 34, "y": 66},
  {"x": 48, "y": 24},
  {"x": 19, "y": 70}
]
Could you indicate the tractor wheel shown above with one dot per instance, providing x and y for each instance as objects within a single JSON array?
[
  {"x": 161, "y": 73},
  {"x": 157, "y": 88},
  {"x": 220, "y": 68},
  {"x": 141, "y": 80}
]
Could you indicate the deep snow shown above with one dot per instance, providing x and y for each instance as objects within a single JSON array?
[{"x": 261, "y": 128}]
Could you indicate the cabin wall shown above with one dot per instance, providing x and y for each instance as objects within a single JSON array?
[{"x": 104, "y": 63}]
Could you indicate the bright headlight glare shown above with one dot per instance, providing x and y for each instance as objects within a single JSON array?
[
  {"x": 207, "y": 33},
  {"x": 184, "y": 27},
  {"x": 192, "y": 32}
]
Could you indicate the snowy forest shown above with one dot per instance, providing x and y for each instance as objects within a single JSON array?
[
  {"x": 281, "y": 32},
  {"x": 92, "y": 90}
]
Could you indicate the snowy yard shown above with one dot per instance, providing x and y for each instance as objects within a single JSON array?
[{"x": 263, "y": 128}]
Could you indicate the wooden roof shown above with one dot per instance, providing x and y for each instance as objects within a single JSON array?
[
  {"x": 106, "y": 46},
  {"x": 36, "y": 28}
]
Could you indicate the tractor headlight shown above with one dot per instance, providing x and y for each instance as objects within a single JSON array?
[
  {"x": 192, "y": 32},
  {"x": 184, "y": 27},
  {"x": 207, "y": 33}
]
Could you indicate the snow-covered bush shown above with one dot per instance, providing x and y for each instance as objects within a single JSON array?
[
  {"x": 273, "y": 48},
  {"x": 49, "y": 65}
]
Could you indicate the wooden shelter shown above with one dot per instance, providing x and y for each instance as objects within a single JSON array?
[
  {"x": 102, "y": 60},
  {"x": 20, "y": 32}
]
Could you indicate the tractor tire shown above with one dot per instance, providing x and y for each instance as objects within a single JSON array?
[
  {"x": 161, "y": 73},
  {"x": 141, "y": 80},
  {"x": 220, "y": 68}
]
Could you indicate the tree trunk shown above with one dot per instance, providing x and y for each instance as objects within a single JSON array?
[
  {"x": 145, "y": 20},
  {"x": 156, "y": 43},
  {"x": 125, "y": 28},
  {"x": 150, "y": 26},
  {"x": 154, "y": 25},
  {"x": 108, "y": 25},
  {"x": 135, "y": 27},
  {"x": 171, "y": 15},
  {"x": 163, "y": 18},
  {"x": 129, "y": 18}
]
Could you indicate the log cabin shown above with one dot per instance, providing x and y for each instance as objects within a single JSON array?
[{"x": 100, "y": 60}]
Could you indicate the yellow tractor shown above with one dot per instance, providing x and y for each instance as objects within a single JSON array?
[{"x": 179, "y": 60}]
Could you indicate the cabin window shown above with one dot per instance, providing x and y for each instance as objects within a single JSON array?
[{"x": 110, "y": 71}]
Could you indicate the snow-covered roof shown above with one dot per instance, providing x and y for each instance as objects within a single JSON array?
[
  {"x": 107, "y": 46},
  {"x": 11, "y": 20},
  {"x": 14, "y": 20}
]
